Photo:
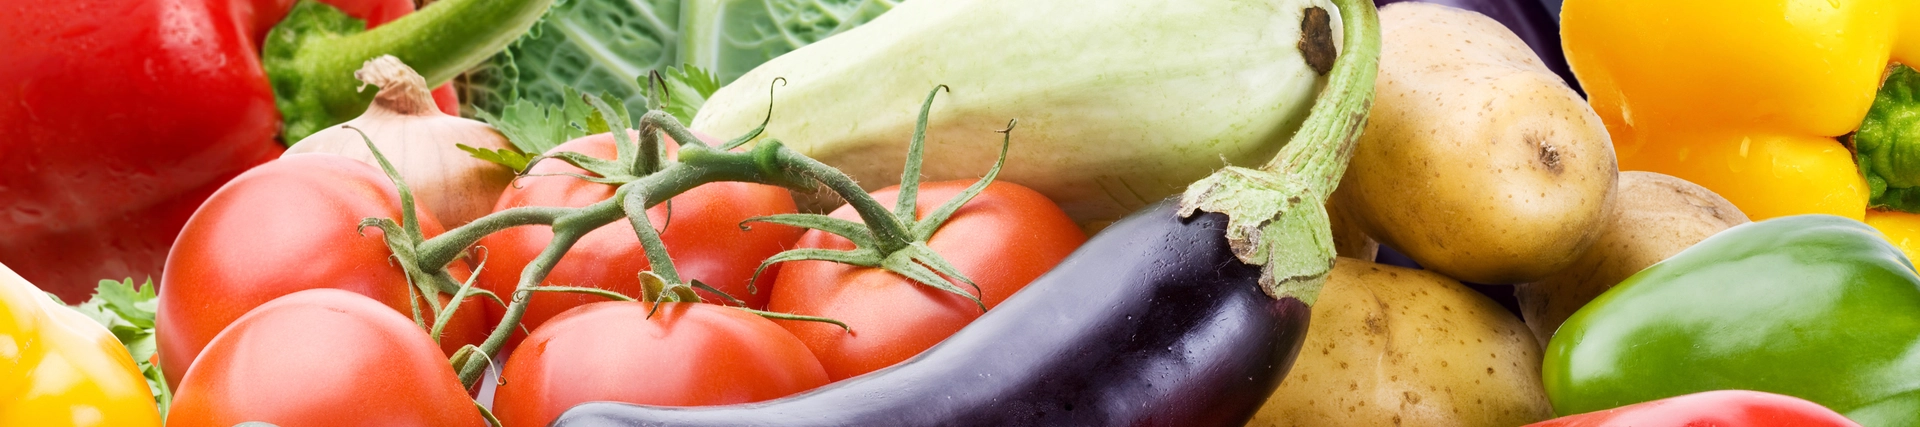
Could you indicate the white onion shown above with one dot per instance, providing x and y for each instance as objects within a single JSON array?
[{"x": 420, "y": 141}]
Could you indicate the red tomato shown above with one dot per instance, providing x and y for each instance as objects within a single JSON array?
[
  {"x": 687, "y": 354},
  {"x": 1002, "y": 239},
  {"x": 704, "y": 237},
  {"x": 323, "y": 357},
  {"x": 289, "y": 225}
]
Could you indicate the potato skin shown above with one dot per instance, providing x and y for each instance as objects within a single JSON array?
[
  {"x": 1390, "y": 346},
  {"x": 1477, "y": 161},
  {"x": 1655, "y": 217}
]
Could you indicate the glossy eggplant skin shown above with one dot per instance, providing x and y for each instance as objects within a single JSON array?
[{"x": 1153, "y": 322}]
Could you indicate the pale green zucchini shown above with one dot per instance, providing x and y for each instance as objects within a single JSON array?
[{"x": 1120, "y": 103}]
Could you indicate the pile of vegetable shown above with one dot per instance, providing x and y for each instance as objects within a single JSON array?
[{"x": 980, "y": 212}]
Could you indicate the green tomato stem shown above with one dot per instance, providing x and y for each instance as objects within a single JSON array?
[
  {"x": 767, "y": 163},
  {"x": 890, "y": 235},
  {"x": 535, "y": 273},
  {"x": 666, "y": 122},
  {"x": 569, "y": 224},
  {"x": 443, "y": 249},
  {"x": 658, "y": 261}
]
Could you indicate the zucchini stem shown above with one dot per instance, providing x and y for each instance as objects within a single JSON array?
[{"x": 1277, "y": 216}]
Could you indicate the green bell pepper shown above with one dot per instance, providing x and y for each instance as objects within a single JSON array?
[{"x": 1812, "y": 306}]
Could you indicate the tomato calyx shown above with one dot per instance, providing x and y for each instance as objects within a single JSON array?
[
  {"x": 657, "y": 289},
  {"x": 896, "y": 240},
  {"x": 403, "y": 237}
]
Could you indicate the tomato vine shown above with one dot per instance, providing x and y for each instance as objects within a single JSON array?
[{"x": 644, "y": 178}]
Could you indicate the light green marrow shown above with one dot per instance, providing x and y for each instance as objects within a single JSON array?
[{"x": 1120, "y": 103}]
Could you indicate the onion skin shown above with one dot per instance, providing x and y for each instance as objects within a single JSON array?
[{"x": 422, "y": 142}]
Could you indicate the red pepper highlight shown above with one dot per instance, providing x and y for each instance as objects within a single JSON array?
[{"x": 1722, "y": 408}]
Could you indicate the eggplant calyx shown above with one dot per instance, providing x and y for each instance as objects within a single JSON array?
[
  {"x": 1276, "y": 215},
  {"x": 894, "y": 240},
  {"x": 1274, "y": 221}
]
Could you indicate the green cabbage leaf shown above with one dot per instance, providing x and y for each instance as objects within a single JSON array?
[{"x": 608, "y": 47}]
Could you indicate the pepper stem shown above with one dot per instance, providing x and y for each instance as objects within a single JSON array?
[
  {"x": 1888, "y": 138},
  {"x": 311, "y": 55},
  {"x": 1276, "y": 215}
]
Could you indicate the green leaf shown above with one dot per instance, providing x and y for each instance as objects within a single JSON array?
[
  {"x": 609, "y": 46},
  {"x": 1887, "y": 147},
  {"x": 129, "y": 301},
  {"x": 510, "y": 157},
  {"x": 688, "y": 88},
  {"x": 535, "y": 127},
  {"x": 597, "y": 122},
  {"x": 128, "y": 311}
]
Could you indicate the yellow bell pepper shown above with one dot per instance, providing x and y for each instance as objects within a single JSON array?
[
  {"x": 59, "y": 368},
  {"x": 1749, "y": 98}
]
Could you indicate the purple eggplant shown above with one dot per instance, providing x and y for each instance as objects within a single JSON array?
[
  {"x": 1535, "y": 21},
  {"x": 1152, "y": 322}
]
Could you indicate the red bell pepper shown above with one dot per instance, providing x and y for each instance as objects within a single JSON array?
[
  {"x": 120, "y": 116},
  {"x": 1723, "y": 408}
]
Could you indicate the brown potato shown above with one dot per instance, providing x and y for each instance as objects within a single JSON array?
[
  {"x": 1390, "y": 346},
  {"x": 1655, "y": 217},
  {"x": 1477, "y": 161}
]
